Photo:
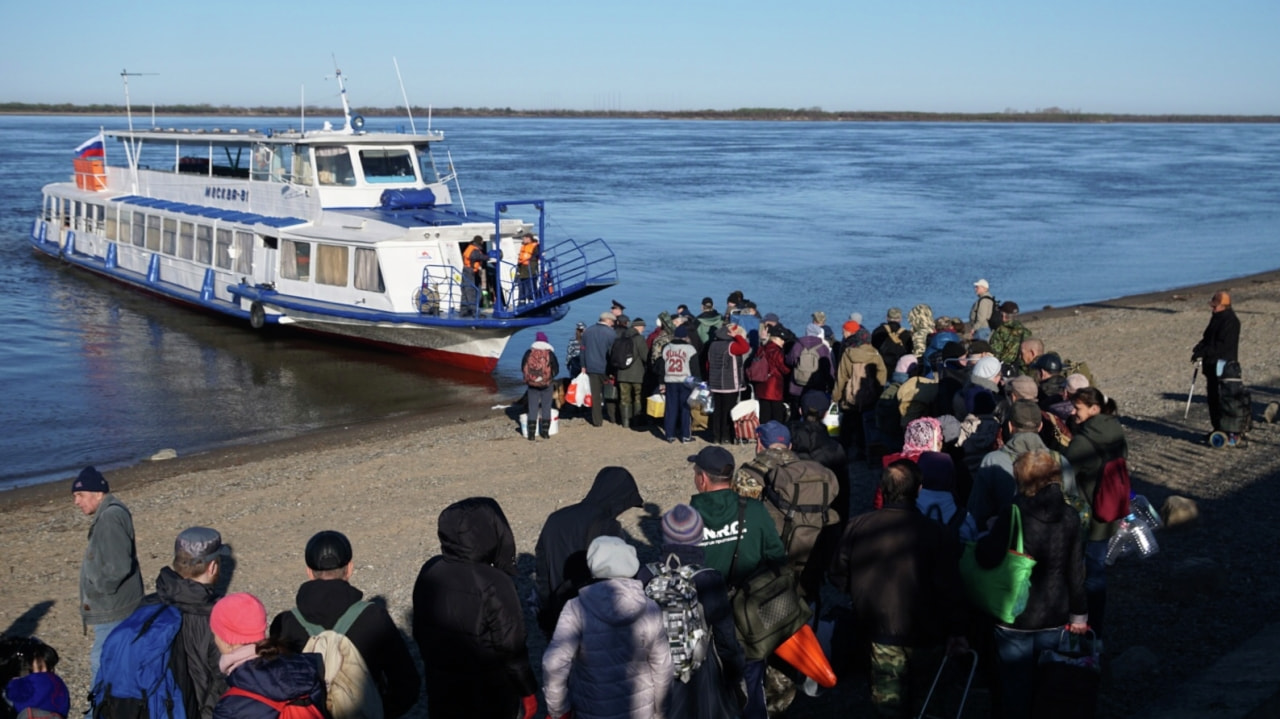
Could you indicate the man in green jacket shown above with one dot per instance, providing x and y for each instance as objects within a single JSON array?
[{"x": 110, "y": 582}]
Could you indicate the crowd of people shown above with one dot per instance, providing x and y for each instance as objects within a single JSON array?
[{"x": 978, "y": 430}]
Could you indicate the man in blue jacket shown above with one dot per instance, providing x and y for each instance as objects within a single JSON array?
[{"x": 596, "y": 342}]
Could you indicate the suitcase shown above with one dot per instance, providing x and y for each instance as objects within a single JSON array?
[{"x": 925, "y": 711}]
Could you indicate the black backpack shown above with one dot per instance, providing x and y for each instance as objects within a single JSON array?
[{"x": 621, "y": 353}]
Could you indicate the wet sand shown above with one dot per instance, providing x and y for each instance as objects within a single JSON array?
[{"x": 384, "y": 483}]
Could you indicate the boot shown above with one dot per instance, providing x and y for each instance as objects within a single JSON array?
[
  {"x": 543, "y": 433},
  {"x": 626, "y": 411},
  {"x": 532, "y": 428}
]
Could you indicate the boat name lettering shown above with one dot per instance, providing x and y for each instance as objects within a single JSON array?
[{"x": 226, "y": 193}]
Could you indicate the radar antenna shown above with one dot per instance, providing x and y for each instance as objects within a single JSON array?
[{"x": 125, "y": 75}]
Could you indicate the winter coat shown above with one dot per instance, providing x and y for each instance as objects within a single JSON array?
[
  {"x": 772, "y": 388},
  {"x": 639, "y": 353},
  {"x": 110, "y": 580},
  {"x": 596, "y": 342},
  {"x": 196, "y": 666},
  {"x": 561, "y": 553},
  {"x": 467, "y": 618},
  {"x": 993, "y": 484},
  {"x": 821, "y": 380},
  {"x": 1221, "y": 339},
  {"x": 1088, "y": 458},
  {"x": 554, "y": 364},
  {"x": 882, "y": 338},
  {"x": 374, "y": 634},
  {"x": 608, "y": 658},
  {"x": 1050, "y": 534},
  {"x": 902, "y": 571},
  {"x": 281, "y": 678},
  {"x": 725, "y": 355},
  {"x": 720, "y": 537},
  {"x": 873, "y": 370}
]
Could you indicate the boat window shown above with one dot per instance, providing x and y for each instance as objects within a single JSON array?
[
  {"x": 386, "y": 166},
  {"x": 331, "y": 265},
  {"x": 301, "y": 166},
  {"x": 222, "y": 254},
  {"x": 427, "y": 164},
  {"x": 204, "y": 244},
  {"x": 333, "y": 166},
  {"x": 112, "y": 225},
  {"x": 169, "y": 244},
  {"x": 295, "y": 260},
  {"x": 153, "y": 233},
  {"x": 243, "y": 252},
  {"x": 186, "y": 240},
  {"x": 139, "y": 229},
  {"x": 95, "y": 215},
  {"x": 231, "y": 160},
  {"x": 368, "y": 274}
]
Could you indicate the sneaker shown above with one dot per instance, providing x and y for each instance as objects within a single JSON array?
[
  {"x": 687, "y": 440},
  {"x": 671, "y": 440}
]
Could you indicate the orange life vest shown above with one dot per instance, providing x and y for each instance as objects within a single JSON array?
[{"x": 527, "y": 251}]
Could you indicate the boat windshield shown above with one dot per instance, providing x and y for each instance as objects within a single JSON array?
[
  {"x": 384, "y": 165},
  {"x": 333, "y": 166},
  {"x": 427, "y": 164}
]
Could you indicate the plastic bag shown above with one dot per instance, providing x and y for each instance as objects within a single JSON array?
[{"x": 578, "y": 393}]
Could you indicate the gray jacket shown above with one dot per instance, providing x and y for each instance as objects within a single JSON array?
[{"x": 110, "y": 582}]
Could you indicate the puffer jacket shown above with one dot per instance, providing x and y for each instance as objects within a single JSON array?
[
  {"x": 608, "y": 658},
  {"x": 725, "y": 353},
  {"x": 110, "y": 581},
  {"x": 467, "y": 618},
  {"x": 282, "y": 678},
  {"x": 1051, "y": 535},
  {"x": 772, "y": 388},
  {"x": 196, "y": 666}
]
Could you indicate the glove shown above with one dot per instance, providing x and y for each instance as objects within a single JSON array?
[{"x": 529, "y": 706}]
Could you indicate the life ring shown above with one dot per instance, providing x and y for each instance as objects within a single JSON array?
[{"x": 257, "y": 315}]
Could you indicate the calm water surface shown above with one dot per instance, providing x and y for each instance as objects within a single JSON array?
[{"x": 801, "y": 216}]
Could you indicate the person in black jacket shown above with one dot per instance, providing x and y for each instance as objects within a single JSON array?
[
  {"x": 1221, "y": 341},
  {"x": 189, "y": 586},
  {"x": 561, "y": 552},
  {"x": 467, "y": 618},
  {"x": 325, "y": 597},
  {"x": 1051, "y": 534}
]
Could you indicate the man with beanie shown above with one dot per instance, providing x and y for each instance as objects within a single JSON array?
[
  {"x": 993, "y": 484},
  {"x": 737, "y": 537},
  {"x": 609, "y": 655},
  {"x": 984, "y": 379},
  {"x": 596, "y": 342},
  {"x": 560, "y": 555},
  {"x": 326, "y": 597},
  {"x": 1220, "y": 342},
  {"x": 189, "y": 584},
  {"x": 539, "y": 369},
  {"x": 110, "y": 581}
]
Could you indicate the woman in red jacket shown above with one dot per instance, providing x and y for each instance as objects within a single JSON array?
[{"x": 769, "y": 392}]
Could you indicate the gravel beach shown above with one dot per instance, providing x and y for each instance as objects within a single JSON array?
[{"x": 1212, "y": 586}]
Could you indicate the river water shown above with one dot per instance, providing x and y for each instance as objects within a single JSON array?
[{"x": 800, "y": 216}]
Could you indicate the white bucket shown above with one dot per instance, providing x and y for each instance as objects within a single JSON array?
[{"x": 553, "y": 429}]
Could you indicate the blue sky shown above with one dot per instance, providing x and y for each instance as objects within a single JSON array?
[{"x": 1134, "y": 56}]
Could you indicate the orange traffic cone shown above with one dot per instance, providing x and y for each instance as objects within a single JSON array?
[{"x": 803, "y": 652}]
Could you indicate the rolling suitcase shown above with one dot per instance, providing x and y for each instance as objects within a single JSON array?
[{"x": 1067, "y": 678}]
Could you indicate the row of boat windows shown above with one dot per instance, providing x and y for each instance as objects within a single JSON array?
[
  {"x": 229, "y": 249},
  {"x": 332, "y": 165}
]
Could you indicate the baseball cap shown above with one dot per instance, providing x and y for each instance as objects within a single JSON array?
[
  {"x": 328, "y": 550},
  {"x": 715, "y": 461},
  {"x": 773, "y": 432},
  {"x": 1025, "y": 414},
  {"x": 197, "y": 544},
  {"x": 982, "y": 283},
  {"x": 1009, "y": 308}
]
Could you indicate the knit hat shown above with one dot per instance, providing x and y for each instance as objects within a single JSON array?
[
  {"x": 41, "y": 690},
  {"x": 611, "y": 558},
  {"x": 681, "y": 332},
  {"x": 850, "y": 328},
  {"x": 938, "y": 470},
  {"x": 813, "y": 329},
  {"x": 239, "y": 618},
  {"x": 637, "y": 322},
  {"x": 90, "y": 480},
  {"x": 1076, "y": 382},
  {"x": 540, "y": 337},
  {"x": 987, "y": 368},
  {"x": 894, "y": 314},
  {"x": 773, "y": 432},
  {"x": 328, "y": 550},
  {"x": 1024, "y": 386},
  {"x": 815, "y": 402},
  {"x": 682, "y": 525}
]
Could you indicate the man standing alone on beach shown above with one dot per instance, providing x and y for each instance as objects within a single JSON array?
[
  {"x": 110, "y": 582},
  {"x": 983, "y": 310},
  {"x": 1221, "y": 341}
]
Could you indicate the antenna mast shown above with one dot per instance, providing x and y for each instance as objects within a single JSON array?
[
  {"x": 342, "y": 87},
  {"x": 408, "y": 110},
  {"x": 128, "y": 109}
]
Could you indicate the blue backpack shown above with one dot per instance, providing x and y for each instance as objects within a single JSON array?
[{"x": 134, "y": 679}]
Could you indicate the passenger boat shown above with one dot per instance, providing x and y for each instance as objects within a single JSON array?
[{"x": 338, "y": 231}]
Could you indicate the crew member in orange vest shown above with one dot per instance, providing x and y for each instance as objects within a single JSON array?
[
  {"x": 527, "y": 267},
  {"x": 475, "y": 259}
]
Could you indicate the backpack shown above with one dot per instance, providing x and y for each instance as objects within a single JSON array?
[
  {"x": 888, "y": 414},
  {"x": 351, "y": 691},
  {"x": 537, "y": 370},
  {"x": 707, "y": 326},
  {"x": 862, "y": 389},
  {"x": 993, "y": 320},
  {"x": 134, "y": 679},
  {"x": 688, "y": 635},
  {"x": 798, "y": 496},
  {"x": 806, "y": 365},
  {"x": 1111, "y": 495},
  {"x": 300, "y": 708},
  {"x": 621, "y": 353},
  {"x": 953, "y": 525},
  {"x": 758, "y": 369}
]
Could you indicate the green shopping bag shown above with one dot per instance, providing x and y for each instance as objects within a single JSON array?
[{"x": 1002, "y": 590}]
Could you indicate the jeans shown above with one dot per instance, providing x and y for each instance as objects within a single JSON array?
[
  {"x": 757, "y": 706},
  {"x": 100, "y": 632},
  {"x": 540, "y": 407},
  {"x": 678, "y": 420},
  {"x": 1016, "y": 654},
  {"x": 1095, "y": 583}
]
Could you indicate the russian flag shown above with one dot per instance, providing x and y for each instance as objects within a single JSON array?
[{"x": 93, "y": 147}]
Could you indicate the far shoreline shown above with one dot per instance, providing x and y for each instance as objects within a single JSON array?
[{"x": 147, "y": 471}]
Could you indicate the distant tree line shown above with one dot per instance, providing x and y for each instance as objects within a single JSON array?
[{"x": 809, "y": 114}]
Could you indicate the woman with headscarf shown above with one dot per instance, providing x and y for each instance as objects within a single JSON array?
[
  {"x": 922, "y": 435},
  {"x": 468, "y": 621}
]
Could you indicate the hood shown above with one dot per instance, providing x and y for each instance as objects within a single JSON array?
[
  {"x": 1024, "y": 441},
  {"x": 282, "y": 678},
  {"x": 718, "y": 508},
  {"x": 190, "y": 596},
  {"x": 538, "y": 345},
  {"x": 810, "y": 341},
  {"x": 614, "y": 491},
  {"x": 616, "y": 602},
  {"x": 476, "y": 530},
  {"x": 322, "y": 601}
]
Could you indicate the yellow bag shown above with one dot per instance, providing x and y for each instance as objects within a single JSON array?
[{"x": 656, "y": 406}]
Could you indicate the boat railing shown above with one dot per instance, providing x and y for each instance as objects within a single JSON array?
[{"x": 450, "y": 293}]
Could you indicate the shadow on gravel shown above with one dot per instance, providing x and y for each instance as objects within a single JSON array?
[
  {"x": 26, "y": 624},
  {"x": 1162, "y": 428},
  {"x": 1135, "y": 308}
]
